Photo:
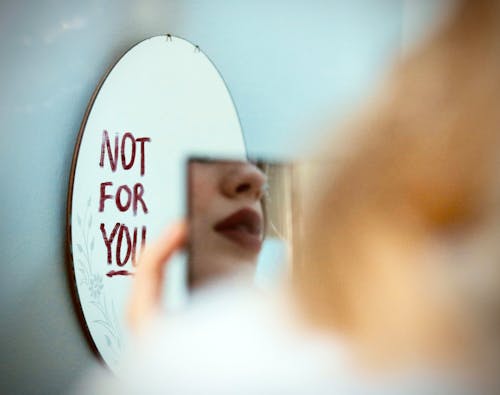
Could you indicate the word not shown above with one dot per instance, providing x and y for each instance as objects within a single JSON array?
[{"x": 127, "y": 162}]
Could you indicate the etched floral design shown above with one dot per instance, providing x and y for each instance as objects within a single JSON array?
[{"x": 95, "y": 284}]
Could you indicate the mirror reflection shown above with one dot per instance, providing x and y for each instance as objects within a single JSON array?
[{"x": 240, "y": 219}]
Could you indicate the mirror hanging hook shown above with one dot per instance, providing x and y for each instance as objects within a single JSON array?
[{"x": 169, "y": 37}]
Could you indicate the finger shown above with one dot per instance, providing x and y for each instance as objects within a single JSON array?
[{"x": 159, "y": 252}]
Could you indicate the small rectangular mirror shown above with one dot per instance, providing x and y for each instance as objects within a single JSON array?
[{"x": 240, "y": 220}]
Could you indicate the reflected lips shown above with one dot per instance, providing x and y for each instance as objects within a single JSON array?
[{"x": 244, "y": 228}]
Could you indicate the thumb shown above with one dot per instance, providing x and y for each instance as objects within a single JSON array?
[{"x": 146, "y": 291}]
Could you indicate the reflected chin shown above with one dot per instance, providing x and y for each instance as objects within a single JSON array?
[{"x": 224, "y": 263}]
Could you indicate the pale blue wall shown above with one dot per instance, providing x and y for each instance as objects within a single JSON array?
[{"x": 285, "y": 62}]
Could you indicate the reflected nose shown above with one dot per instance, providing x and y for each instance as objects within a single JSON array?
[{"x": 244, "y": 180}]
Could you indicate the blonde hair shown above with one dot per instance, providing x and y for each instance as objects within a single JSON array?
[{"x": 420, "y": 166}]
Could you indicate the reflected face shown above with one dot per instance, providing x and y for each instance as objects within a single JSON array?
[{"x": 227, "y": 223}]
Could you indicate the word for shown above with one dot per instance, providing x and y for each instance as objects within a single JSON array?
[{"x": 132, "y": 196}]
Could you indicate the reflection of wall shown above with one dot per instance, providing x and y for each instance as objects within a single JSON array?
[
  {"x": 285, "y": 63},
  {"x": 278, "y": 200}
]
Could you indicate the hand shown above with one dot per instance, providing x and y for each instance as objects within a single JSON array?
[{"x": 146, "y": 292}]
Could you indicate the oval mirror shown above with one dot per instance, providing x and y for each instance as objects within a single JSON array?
[{"x": 160, "y": 103}]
